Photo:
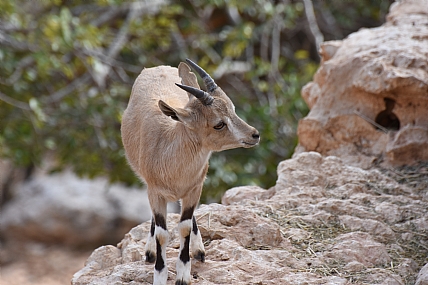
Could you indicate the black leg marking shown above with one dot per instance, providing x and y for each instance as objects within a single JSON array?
[
  {"x": 200, "y": 256},
  {"x": 180, "y": 282},
  {"x": 152, "y": 227},
  {"x": 194, "y": 226},
  {"x": 160, "y": 263},
  {"x": 187, "y": 214},
  {"x": 160, "y": 221},
  {"x": 184, "y": 254},
  {"x": 150, "y": 257}
]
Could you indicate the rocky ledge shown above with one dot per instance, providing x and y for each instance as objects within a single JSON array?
[{"x": 323, "y": 223}]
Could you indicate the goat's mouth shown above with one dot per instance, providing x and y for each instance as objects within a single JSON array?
[{"x": 249, "y": 144}]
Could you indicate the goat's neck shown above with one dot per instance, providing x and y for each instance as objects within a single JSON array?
[{"x": 188, "y": 145}]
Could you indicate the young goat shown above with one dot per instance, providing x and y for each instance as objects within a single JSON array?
[{"x": 169, "y": 136}]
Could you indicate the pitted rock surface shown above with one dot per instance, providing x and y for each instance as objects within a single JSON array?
[
  {"x": 368, "y": 99},
  {"x": 324, "y": 222}
]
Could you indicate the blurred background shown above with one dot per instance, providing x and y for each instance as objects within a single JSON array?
[{"x": 67, "y": 68}]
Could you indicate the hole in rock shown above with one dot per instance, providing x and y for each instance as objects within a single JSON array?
[{"x": 387, "y": 118}]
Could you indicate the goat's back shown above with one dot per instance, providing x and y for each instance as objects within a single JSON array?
[
  {"x": 144, "y": 127},
  {"x": 154, "y": 84}
]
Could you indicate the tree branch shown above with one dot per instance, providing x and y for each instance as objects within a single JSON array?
[
  {"x": 26, "y": 61},
  {"x": 312, "y": 21},
  {"x": 249, "y": 54},
  {"x": 109, "y": 60},
  {"x": 264, "y": 42},
  {"x": 227, "y": 67},
  {"x": 134, "y": 10},
  {"x": 14, "y": 102},
  {"x": 58, "y": 95},
  {"x": 331, "y": 23},
  {"x": 9, "y": 41}
]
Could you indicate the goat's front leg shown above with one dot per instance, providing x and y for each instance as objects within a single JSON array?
[
  {"x": 161, "y": 237},
  {"x": 190, "y": 238},
  {"x": 184, "y": 230}
]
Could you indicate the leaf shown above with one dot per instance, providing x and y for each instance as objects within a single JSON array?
[
  {"x": 65, "y": 17},
  {"x": 301, "y": 54},
  {"x": 35, "y": 106}
]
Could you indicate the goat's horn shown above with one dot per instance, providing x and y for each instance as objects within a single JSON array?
[
  {"x": 208, "y": 81},
  {"x": 203, "y": 96}
]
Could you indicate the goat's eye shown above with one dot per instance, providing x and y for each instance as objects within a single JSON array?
[{"x": 220, "y": 126}]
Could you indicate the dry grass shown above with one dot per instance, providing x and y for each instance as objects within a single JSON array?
[
  {"x": 320, "y": 236},
  {"x": 413, "y": 176},
  {"x": 416, "y": 178}
]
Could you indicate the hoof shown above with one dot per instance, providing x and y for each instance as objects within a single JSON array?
[
  {"x": 200, "y": 255},
  {"x": 181, "y": 282},
  {"x": 150, "y": 257}
]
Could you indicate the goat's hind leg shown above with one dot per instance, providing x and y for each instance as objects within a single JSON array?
[
  {"x": 161, "y": 238},
  {"x": 151, "y": 244},
  {"x": 196, "y": 244}
]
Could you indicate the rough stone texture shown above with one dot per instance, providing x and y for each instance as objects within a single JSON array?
[
  {"x": 355, "y": 77},
  {"x": 422, "y": 278},
  {"x": 64, "y": 209},
  {"x": 324, "y": 222}
]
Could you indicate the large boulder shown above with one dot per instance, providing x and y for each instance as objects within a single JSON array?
[
  {"x": 324, "y": 222},
  {"x": 65, "y": 209},
  {"x": 368, "y": 100}
]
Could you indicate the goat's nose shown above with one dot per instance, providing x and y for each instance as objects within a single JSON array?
[{"x": 256, "y": 135}]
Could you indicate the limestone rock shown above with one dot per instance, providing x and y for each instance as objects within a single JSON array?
[
  {"x": 324, "y": 222},
  {"x": 62, "y": 208},
  {"x": 245, "y": 192},
  {"x": 422, "y": 278},
  {"x": 249, "y": 229},
  {"x": 359, "y": 247},
  {"x": 377, "y": 75}
]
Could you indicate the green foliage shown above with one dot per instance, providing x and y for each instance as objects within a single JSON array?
[{"x": 68, "y": 68}]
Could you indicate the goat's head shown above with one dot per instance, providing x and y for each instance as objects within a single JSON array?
[{"x": 210, "y": 115}]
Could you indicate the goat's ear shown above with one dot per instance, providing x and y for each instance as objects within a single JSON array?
[
  {"x": 187, "y": 77},
  {"x": 179, "y": 114},
  {"x": 168, "y": 111}
]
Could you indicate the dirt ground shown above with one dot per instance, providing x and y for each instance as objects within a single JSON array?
[{"x": 38, "y": 264}]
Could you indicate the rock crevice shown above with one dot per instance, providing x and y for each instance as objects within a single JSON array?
[{"x": 369, "y": 97}]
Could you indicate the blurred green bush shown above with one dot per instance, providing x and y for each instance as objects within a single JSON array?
[{"x": 67, "y": 68}]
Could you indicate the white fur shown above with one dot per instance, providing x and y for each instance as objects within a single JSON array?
[
  {"x": 183, "y": 271},
  {"x": 184, "y": 226},
  {"x": 151, "y": 243},
  {"x": 161, "y": 277},
  {"x": 196, "y": 243}
]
